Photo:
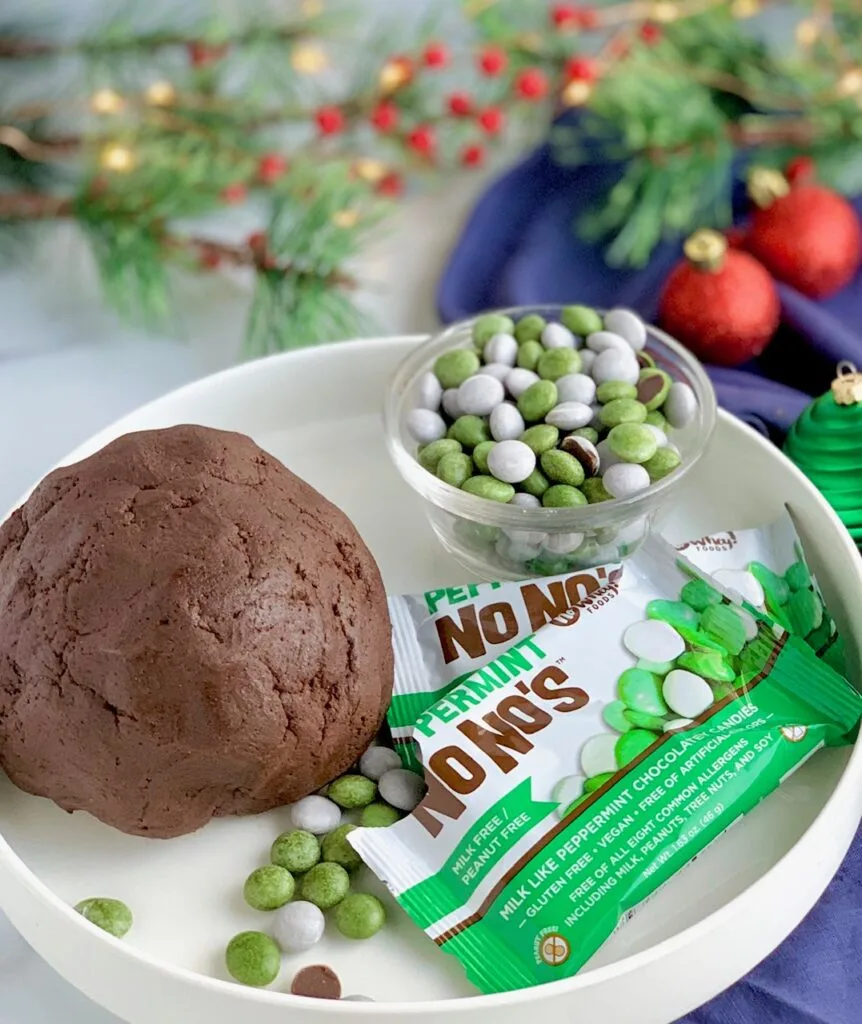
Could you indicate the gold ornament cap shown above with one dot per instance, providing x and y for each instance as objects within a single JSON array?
[
  {"x": 765, "y": 185},
  {"x": 847, "y": 386},
  {"x": 705, "y": 250}
]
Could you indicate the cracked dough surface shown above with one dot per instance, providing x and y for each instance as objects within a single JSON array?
[{"x": 187, "y": 630}]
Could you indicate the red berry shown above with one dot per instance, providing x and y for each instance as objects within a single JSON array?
[
  {"x": 234, "y": 193},
  {"x": 436, "y": 55},
  {"x": 384, "y": 117},
  {"x": 582, "y": 69},
  {"x": 800, "y": 170},
  {"x": 491, "y": 119},
  {"x": 256, "y": 241},
  {"x": 270, "y": 167},
  {"x": 330, "y": 120},
  {"x": 650, "y": 33},
  {"x": 201, "y": 54},
  {"x": 422, "y": 140},
  {"x": 473, "y": 156},
  {"x": 588, "y": 17},
  {"x": 492, "y": 61},
  {"x": 564, "y": 16},
  {"x": 531, "y": 84},
  {"x": 209, "y": 257},
  {"x": 460, "y": 104},
  {"x": 391, "y": 185}
]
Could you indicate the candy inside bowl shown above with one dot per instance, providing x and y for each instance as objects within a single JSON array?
[{"x": 547, "y": 438}]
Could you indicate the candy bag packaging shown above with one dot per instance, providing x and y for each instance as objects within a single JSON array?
[{"x": 575, "y": 773}]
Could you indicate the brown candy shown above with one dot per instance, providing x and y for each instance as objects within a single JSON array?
[
  {"x": 584, "y": 451},
  {"x": 317, "y": 982}
]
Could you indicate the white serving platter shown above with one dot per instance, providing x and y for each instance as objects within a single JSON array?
[{"x": 319, "y": 411}]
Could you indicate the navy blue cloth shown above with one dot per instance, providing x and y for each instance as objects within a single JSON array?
[{"x": 519, "y": 248}]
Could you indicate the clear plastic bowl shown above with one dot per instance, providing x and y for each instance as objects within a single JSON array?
[{"x": 496, "y": 541}]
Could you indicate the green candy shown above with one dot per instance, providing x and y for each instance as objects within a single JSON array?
[
  {"x": 641, "y": 691},
  {"x": 529, "y": 354},
  {"x": 540, "y": 438},
  {"x": 615, "y": 389},
  {"x": 529, "y": 328},
  {"x": 537, "y": 401},
  {"x": 699, "y": 595},
  {"x": 352, "y": 791},
  {"x": 632, "y": 442},
  {"x": 379, "y": 816},
  {"x": 454, "y": 468},
  {"x": 475, "y": 534},
  {"x": 658, "y": 668},
  {"x": 663, "y": 462},
  {"x": 656, "y": 419},
  {"x": 269, "y": 888},
  {"x": 112, "y": 916},
  {"x": 589, "y": 433},
  {"x": 775, "y": 587},
  {"x": 708, "y": 664},
  {"x": 337, "y": 850},
  {"x": 325, "y": 885},
  {"x": 676, "y": 613},
  {"x": 546, "y": 567},
  {"x": 253, "y": 958},
  {"x": 486, "y": 327},
  {"x": 480, "y": 456},
  {"x": 454, "y": 367},
  {"x": 595, "y": 491},
  {"x": 722, "y": 623},
  {"x": 798, "y": 577},
  {"x": 623, "y": 410},
  {"x": 557, "y": 362},
  {"x": 653, "y": 387},
  {"x": 645, "y": 359},
  {"x": 632, "y": 744},
  {"x": 431, "y": 454},
  {"x": 469, "y": 431},
  {"x": 597, "y": 781},
  {"x": 560, "y": 467},
  {"x": 641, "y": 720},
  {"x": 804, "y": 612},
  {"x": 575, "y": 804},
  {"x": 536, "y": 483},
  {"x": 489, "y": 487},
  {"x": 700, "y": 640},
  {"x": 297, "y": 851},
  {"x": 562, "y": 496},
  {"x": 359, "y": 916},
  {"x": 614, "y": 715},
  {"x": 581, "y": 320}
]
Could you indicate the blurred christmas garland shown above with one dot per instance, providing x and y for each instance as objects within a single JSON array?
[{"x": 174, "y": 124}]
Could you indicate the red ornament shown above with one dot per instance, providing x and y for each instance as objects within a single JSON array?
[
  {"x": 473, "y": 155},
  {"x": 202, "y": 54},
  {"x": 330, "y": 120},
  {"x": 531, "y": 84},
  {"x": 492, "y": 61},
  {"x": 582, "y": 69},
  {"x": 460, "y": 104},
  {"x": 385, "y": 116},
  {"x": 564, "y": 16},
  {"x": 799, "y": 170},
  {"x": 209, "y": 258},
  {"x": 422, "y": 140},
  {"x": 391, "y": 185},
  {"x": 720, "y": 302},
  {"x": 270, "y": 167},
  {"x": 491, "y": 120},
  {"x": 235, "y": 193},
  {"x": 650, "y": 33},
  {"x": 256, "y": 241},
  {"x": 806, "y": 236},
  {"x": 436, "y": 55}
]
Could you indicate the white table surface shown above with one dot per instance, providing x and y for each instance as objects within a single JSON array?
[{"x": 67, "y": 369}]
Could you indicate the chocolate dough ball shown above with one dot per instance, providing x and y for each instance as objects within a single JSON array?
[{"x": 187, "y": 630}]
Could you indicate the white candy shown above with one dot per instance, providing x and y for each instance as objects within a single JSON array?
[
  {"x": 676, "y": 723},
  {"x": 501, "y": 348},
  {"x": 566, "y": 791},
  {"x": 298, "y": 926},
  {"x": 511, "y": 461},
  {"x": 744, "y": 583},
  {"x": 601, "y": 341},
  {"x": 680, "y": 406},
  {"x": 563, "y": 543},
  {"x": 658, "y": 434},
  {"x": 450, "y": 403},
  {"x": 429, "y": 391},
  {"x": 569, "y": 415},
  {"x": 686, "y": 694},
  {"x": 524, "y": 500},
  {"x": 557, "y": 336},
  {"x": 596, "y": 421},
  {"x": 750, "y": 625},
  {"x": 628, "y": 325},
  {"x": 515, "y": 550},
  {"x": 518, "y": 380},
  {"x": 634, "y": 531},
  {"x": 607, "y": 458},
  {"x": 402, "y": 788},
  {"x": 506, "y": 423},
  {"x": 653, "y": 640},
  {"x": 615, "y": 364},
  {"x": 425, "y": 426},
  {"x": 376, "y": 761},
  {"x": 531, "y": 538},
  {"x": 598, "y": 754},
  {"x": 625, "y": 479},
  {"x": 315, "y": 814},
  {"x": 479, "y": 394},
  {"x": 587, "y": 360},
  {"x": 576, "y": 387},
  {"x": 499, "y": 370}
]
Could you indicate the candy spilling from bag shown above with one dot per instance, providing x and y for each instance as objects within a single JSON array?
[{"x": 585, "y": 736}]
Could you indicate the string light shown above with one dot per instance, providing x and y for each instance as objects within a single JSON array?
[
  {"x": 745, "y": 8},
  {"x": 160, "y": 94},
  {"x": 850, "y": 83},
  {"x": 370, "y": 170},
  {"x": 106, "y": 101},
  {"x": 308, "y": 59},
  {"x": 345, "y": 218},
  {"x": 665, "y": 11},
  {"x": 117, "y": 158},
  {"x": 394, "y": 74},
  {"x": 577, "y": 93}
]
